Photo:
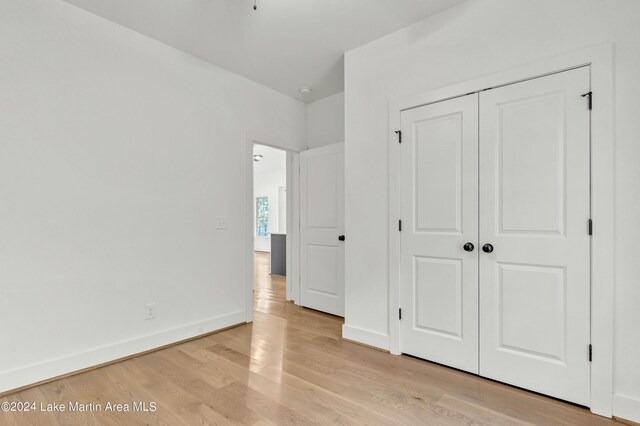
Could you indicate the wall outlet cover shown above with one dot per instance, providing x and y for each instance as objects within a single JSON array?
[{"x": 150, "y": 311}]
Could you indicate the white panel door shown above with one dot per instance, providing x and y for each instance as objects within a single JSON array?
[
  {"x": 322, "y": 228},
  {"x": 534, "y": 212},
  {"x": 439, "y": 278}
]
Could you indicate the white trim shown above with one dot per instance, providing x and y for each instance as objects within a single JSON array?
[
  {"x": 295, "y": 237},
  {"x": 289, "y": 225},
  {"x": 368, "y": 337},
  {"x": 626, "y": 408},
  {"x": 394, "y": 236},
  {"x": 603, "y": 239},
  {"x": 35, "y": 373},
  {"x": 292, "y": 233},
  {"x": 248, "y": 235},
  {"x": 600, "y": 59}
]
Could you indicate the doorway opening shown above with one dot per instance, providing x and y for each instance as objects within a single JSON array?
[
  {"x": 269, "y": 228},
  {"x": 294, "y": 227}
]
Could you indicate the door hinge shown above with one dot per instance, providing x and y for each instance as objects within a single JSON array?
[
  {"x": 400, "y": 225},
  {"x": 399, "y": 133},
  {"x": 400, "y": 313},
  {"x": 590, "y": 96},
  {"x": 590, "y": 227},
  {"x": 590, "y": 353}
]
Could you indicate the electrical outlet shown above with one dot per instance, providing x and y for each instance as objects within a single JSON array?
[
  {"x": 222, "y": 223},
  {"x": 150, "y": 311}
]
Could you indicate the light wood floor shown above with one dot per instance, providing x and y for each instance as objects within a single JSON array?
[{"x": 290, "y": 367}]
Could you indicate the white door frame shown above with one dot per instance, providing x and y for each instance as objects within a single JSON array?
[
  {"x": 600, "y": 60},
  {"x": 293, "y": 219}
]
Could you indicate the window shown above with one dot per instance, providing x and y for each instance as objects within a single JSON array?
[{"x": 262, "y": 216}]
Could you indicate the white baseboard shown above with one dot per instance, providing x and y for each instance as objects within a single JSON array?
[
  {"x": 368, "y": 337},
  {"x": 626, "y": 408},
  {"x": 24, "y": 376}
]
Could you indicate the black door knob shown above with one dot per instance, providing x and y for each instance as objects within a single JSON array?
[
  {"x": 487, "y": 248},
  {"x": 341, "y": 238},
  {"x": 468, "y": 247}
]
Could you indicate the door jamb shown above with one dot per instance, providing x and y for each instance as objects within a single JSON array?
[{"x": 600, "y": 60}]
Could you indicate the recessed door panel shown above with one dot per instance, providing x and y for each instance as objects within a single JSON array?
[
  {"x": 322, "y": 185},
  {"x": 438, "y": 296},
  {"x": 439, "y": 279},
  {"x": 531, "y": 174},
  {"x": 532, "y": 303},
  {"x": 534, "y": 211},
  {"x": 438, "y": 174},
  {"x": 323, "y": 270}
]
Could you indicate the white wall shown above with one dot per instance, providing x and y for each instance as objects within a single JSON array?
[
  {"x": 476, "y": 38},
  {"x": 266, "y": 184},
  {"x": 117, "y": 153},
  {"x": 325, "y": 121}
]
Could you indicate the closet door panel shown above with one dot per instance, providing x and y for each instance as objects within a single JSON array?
[
  {"x": 534, "y": 212},
  {"x": 439, "y": 279}
]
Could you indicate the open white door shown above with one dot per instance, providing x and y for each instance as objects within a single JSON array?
[{"x": 322, "y": 229}]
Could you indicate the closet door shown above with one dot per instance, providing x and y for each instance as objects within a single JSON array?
[
  {"x": 439, "y": 275},
  {"x": 534, "y": 241}
]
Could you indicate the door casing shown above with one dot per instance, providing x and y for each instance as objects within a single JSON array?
[{"x": 599, "y": 58}]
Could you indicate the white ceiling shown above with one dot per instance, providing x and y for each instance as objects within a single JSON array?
[
  {"x": 272, "y": 159},
  {"x": 285, "y": 44}
]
